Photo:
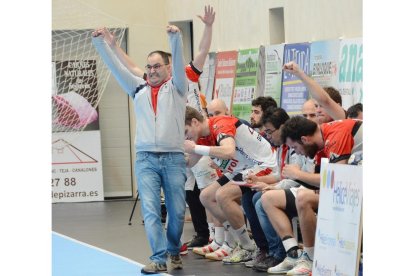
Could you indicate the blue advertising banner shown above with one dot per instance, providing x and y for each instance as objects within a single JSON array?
[{"x": 294, "y": 92}]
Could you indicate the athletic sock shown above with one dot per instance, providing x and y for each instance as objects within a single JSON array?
[
  {"x": 219, "y": 235},
  {"x": 291, "y": 246},
  {"x": 309, "y": 251},
  {"x": 211, "y": 230},
  {"x": 245, "y": 241},
  {"x": 228, "y": 236}
]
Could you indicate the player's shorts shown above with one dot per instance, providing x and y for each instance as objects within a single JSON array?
[
  {"x": 203, "y": 173},
  {"x": 190, "y": 182},
  {"x": 290, "y": 209},
  {"x": 223, "y": 180}
]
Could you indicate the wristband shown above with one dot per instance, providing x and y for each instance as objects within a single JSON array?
[{"x": 202, "y": 150}]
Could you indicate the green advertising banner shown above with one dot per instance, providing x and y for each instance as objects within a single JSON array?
[{"x": 246, "y": 81}]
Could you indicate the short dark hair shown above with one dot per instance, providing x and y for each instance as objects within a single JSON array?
[
  {"x": 191, "y": 113},
  {"x": 275, "y": 116},
  {"x": 353, "y": 111},
  {"x": 296, "y": 127},
  {"x": 264, "y": 102},
  {"x": 164, "y": 56},
  {"x": 334, "y": 94}
]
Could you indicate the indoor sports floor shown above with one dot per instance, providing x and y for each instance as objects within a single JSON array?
[{"x": 94, "y": 238}]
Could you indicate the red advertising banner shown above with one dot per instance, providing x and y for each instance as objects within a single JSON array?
[{"x": 225, "y": 74}]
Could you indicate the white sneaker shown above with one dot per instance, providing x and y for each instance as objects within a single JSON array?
[
  {"x": 287, "y": 264},
  {"x": 303, "y": 266},
  {"x": 209, "y": 248},
  {"x": 220, "y": 253},
  {"x": 239, "y": 255}
]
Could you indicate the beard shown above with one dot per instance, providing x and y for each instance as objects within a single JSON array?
[
  {"x": 324, "y": 118},
  {"x": 255, "y": 125},
  {"x": 311, "y": 150}
]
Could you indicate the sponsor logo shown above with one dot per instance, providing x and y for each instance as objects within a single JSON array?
[
  {"x": 337, "y": 272},
  {"x": 322, "y": 270},
  {"x": 345, "y": 244},
  {"x": 325, "y": 239},
  {"x": 345, "y": 193},
  {"x": 245, "y": 155},
  {"x": 228, "y": 165}
]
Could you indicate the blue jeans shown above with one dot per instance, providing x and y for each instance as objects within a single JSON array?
[
  {"x": 276, "y": 248},
  {"x": 154, "y": 170},
  {"x": 248, "y": 203}
]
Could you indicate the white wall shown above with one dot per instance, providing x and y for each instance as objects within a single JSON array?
[{"x": 245, "y": 23}]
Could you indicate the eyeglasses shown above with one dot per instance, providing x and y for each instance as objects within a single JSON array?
[
  {"x": 155, "y": 66},
  {"x": 269, "y": 132},
  {"x": 310, "y": 115}
]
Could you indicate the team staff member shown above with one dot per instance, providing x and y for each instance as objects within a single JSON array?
[
  {"x": 159, "y": 103},
  {"x": 196, "y": 175}
]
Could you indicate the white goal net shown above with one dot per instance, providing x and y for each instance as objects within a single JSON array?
[{"x": 79, "y": 76}]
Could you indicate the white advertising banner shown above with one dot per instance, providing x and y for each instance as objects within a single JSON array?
[
  {"x": 324, "y": 62},
  {"x": 76, "y": 139},
  {"x": 273, "y": 76},
  {"x": 207, "y": 77},
  {"x": 350, "y": 77},
  {"x": 77, "y": 167},
  {"x": 338, "y": 232}
]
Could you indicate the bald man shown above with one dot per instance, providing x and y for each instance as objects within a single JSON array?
[
  {"x": 309, "y": 110},
  {"x": 217, "y": 107}
]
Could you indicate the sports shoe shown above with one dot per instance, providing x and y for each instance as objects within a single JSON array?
[
  {"x": 154, "y": 268},
  {"x": 176, "y": 262},
  {"x": 209, "y": 248},
  {"x": 184, "y": 249},
  {"x": 287, "y": 264},
  {"x": 220, "y": 253},
  {"x": 267, "y": 262},
  {"x": 197, "y": 241},
  {"x": 238, "y": 256},
  {"x": 258, "y": 256},
  {"x": 303, "y": 266}
]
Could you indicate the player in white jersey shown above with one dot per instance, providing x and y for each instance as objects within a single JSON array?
[
  {"x": 268, "y": 255},
  {"x": 282, "y": 189}
]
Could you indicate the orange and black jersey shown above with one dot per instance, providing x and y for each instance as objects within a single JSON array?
[
  {"x": 339, "y": 141},
  {"x": 251, "y": 148}
]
